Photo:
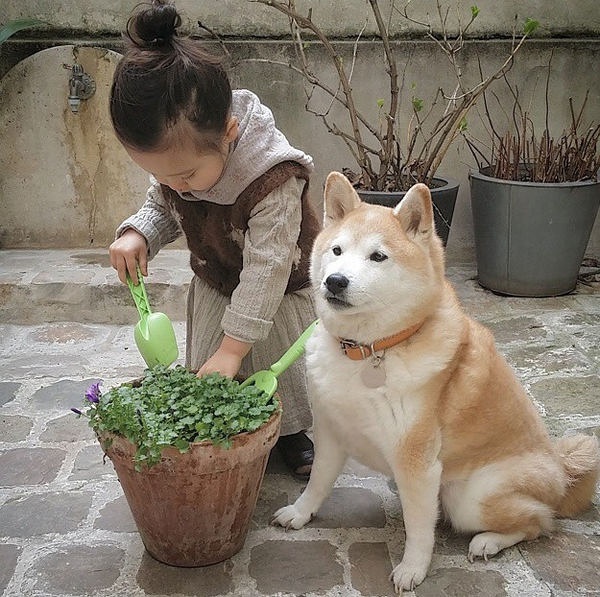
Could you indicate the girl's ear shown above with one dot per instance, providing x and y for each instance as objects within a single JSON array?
[{"x": 232, "y": 129}]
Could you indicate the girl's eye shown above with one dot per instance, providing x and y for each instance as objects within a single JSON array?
[
  {"x": 337, "y": 250},
  {"x": 378, "y": 256}
]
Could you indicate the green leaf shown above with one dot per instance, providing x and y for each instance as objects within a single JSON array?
[
  {"x": 380, "y": 103},
  {"x": 474, "y": 11},
  {"x": 530, "y": 26},
  {"x": 417, "y": 104},
  {"x": 462, "y": 125},
  {"x": 182, "y": 445},
  {"x": 17, "y": 25}
]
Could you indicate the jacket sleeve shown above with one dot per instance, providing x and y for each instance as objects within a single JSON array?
[
  {"x": 270, "y": 249},
  {"x": 154, "y": 221}
]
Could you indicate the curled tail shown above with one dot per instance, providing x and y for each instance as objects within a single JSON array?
[{"x": 581, "y": 460}]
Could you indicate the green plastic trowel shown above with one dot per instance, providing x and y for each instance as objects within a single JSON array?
[
  {"x": 266, "y": 380},
  {"x": 154, "y": 334}
]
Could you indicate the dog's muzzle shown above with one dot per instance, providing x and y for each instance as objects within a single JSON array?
[{"x": 336, "y": 286}]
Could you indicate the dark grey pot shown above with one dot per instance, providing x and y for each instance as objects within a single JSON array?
[
  {"x": 530, "y": 238},
  {"x": 443, "y": 194}
]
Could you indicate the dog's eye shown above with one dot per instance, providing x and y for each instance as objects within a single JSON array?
[
  {"x": 337, "y": 250},
  {"x": 378, "y": 256}
]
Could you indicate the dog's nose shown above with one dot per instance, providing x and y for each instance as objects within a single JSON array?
[{"x": 336, "y": 283}]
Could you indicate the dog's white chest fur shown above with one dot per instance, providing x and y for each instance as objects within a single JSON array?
[{"x": 368, "y": 422}]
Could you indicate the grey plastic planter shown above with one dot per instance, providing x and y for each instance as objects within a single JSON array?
[
  {"x": 530, "y": 238},
  {"x": 443, "y": 194}
]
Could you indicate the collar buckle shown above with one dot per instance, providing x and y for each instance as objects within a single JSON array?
[{"x": 354, "y": 350}]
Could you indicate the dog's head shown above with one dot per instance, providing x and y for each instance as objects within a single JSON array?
[{"x": 375, "y": 269}]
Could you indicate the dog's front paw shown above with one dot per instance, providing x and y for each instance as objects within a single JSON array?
[
  {"x": 407, "y": 576},
  {"x": 290, "y": 517}
]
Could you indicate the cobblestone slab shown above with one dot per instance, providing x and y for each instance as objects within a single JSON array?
[{"x": 66, "y": 529}]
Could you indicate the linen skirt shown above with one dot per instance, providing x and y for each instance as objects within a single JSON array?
[{"x": 205, "y": 309}]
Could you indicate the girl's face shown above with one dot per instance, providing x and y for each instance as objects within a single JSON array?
[{"x": 183, "y": 167}]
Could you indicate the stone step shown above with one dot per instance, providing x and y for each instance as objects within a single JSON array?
[{"x": 41, "y": 286}]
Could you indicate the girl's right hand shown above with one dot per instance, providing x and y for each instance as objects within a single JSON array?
[{"x": 126, "y": 252}]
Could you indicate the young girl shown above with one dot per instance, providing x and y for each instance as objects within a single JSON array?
[{"x": 224, "y": 176}]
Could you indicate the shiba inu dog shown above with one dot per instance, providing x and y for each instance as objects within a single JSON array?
[{"x": 405, "y": 382}]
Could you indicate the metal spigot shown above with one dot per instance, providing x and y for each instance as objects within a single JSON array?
[{"x": 81, "y": 86}]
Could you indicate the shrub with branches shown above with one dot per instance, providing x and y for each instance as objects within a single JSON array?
[
  {"x": 391, "y": 155},
  {"x": 521, "y": 154}
]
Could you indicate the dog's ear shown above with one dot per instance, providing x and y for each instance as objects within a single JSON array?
[
  {"x": 340, "y": 198},
  {"x": 415, "y": 212}
]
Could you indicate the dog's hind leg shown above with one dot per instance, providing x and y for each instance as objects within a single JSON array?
[
  {"x": 328, "y": 463},
  {"x": 509, "y": 519},
  {"x": 505, "y": 503}
]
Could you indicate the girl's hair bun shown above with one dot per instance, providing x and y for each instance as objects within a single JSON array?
[{"x": 154, "y": 24}]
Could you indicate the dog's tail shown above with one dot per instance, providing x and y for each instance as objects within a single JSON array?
[{"x": 581, "y": 461}]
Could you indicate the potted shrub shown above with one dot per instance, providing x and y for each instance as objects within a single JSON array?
[
  {"x": 190, "y": 454},
  {"x": 391, "y": 151},
  {"x": 534, "y": 199}
]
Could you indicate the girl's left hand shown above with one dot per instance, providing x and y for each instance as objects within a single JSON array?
[
  {"x": 225, "y": 364},
  {"x": 227, "y": 360}
]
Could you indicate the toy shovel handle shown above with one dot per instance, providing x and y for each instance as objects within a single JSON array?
[
  {"x": 139, "y": 295},
  {"x": 294, "y": 351}
]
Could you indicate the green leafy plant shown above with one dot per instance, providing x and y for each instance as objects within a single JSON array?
[{"x": 173, "y": 407}]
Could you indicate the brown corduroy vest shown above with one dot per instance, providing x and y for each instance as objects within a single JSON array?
[{"x": 215, "y": 256}]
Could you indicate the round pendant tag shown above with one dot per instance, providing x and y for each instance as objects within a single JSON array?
[{"x": 373, "y": 377}]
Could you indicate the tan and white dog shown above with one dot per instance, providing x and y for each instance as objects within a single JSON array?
[{"x": 405, "y": 382}]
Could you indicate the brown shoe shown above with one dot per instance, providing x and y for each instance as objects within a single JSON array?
[{"x": 297, "y": 451}]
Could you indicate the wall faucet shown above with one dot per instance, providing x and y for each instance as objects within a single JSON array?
[{"x": 81, "y": 86}]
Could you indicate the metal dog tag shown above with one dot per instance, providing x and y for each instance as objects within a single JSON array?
[{"x": 373, "y": 373}]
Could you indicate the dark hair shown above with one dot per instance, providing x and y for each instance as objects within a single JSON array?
[{"x": 164, "y": 79}]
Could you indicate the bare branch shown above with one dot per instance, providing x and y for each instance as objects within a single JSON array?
[
  {"x": 288, "y": 9},
  {"x": 401, "y": 157}
]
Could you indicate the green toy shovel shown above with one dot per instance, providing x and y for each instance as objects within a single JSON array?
[
  {"x": 153, "y": 333},
  {"x": 266, "y": 380}
]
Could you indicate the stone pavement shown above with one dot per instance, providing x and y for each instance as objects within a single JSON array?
[{"x": 65, "y": 528}]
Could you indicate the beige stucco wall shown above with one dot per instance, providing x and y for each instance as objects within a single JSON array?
[
  {"x": 72, "y": 197},
  {"x": 245, "y": 18}
]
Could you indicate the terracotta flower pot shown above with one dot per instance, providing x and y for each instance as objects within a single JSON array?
[{"x": 194, "y": 509}]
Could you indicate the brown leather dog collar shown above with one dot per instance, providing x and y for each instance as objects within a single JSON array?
[{"x": 358, "y": 352}]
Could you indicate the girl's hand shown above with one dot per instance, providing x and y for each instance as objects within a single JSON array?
[
  {"x": 126, "y": 252},
  {"x": 227, "y": 360}
]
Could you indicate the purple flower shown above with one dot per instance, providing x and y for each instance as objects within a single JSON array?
[{"x": 93, "y": 393}]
